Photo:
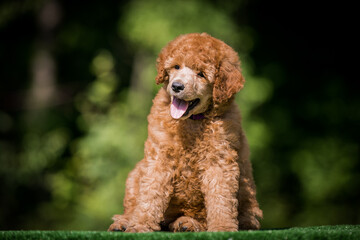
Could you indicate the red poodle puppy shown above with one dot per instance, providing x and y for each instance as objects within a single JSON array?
[{"x": 196, "y": 174}]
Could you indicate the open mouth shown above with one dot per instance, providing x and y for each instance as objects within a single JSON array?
[{"x": 180, "y": 108}]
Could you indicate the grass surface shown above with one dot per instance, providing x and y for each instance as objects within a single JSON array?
[{"x": 323, "y": 232}]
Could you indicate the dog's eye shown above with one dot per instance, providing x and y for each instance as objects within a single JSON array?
[
  {"x": 201, "y": 74},
  {"x": 177, "y": 67}
]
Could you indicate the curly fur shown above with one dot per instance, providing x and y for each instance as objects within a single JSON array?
[{"x": 196, "y": 174}]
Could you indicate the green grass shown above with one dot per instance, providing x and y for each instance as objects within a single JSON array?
[{"x": 307, "y": 233}]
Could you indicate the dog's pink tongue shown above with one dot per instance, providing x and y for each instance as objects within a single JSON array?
[{"x": 178, "y": 108}]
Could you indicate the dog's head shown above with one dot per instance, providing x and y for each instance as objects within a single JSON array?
[{"x": 200, "y": 73}]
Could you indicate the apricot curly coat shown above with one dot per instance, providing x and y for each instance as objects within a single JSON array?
[{"x": 196, "y": 174}]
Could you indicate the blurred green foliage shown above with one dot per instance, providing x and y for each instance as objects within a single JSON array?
[{"x": 64, "y": 166}]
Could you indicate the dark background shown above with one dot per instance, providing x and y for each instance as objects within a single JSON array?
[{"x": 77, "y": 79}]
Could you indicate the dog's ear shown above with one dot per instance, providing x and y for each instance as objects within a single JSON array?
[
  {"x": 228, "y": 81},
  {"x": 162, "y": 74}
]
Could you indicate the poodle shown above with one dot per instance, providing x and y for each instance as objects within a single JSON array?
[{"x": 196, "y": 174}]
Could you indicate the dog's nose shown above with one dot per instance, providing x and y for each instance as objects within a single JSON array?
[{"x": 177, "y": 87}]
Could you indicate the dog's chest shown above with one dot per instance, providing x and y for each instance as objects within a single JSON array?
[
  {"x": 191, "y": 153},
  {"x": 187, "y": 176},
  {"x": 187, "y": 185}
]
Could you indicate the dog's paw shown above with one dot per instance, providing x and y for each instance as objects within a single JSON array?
[
  {"x": 222, "y": 229},
  {"x": 138, "y": 229},
  {"x": 120, "y": 224},
  {"x": 249, "y": 223},
  {"x": 186, "y": 224}
]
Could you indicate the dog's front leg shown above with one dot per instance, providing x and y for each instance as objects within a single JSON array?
[
  {"x": 154, "y": 196},
  {"x": 220, "y": 188}
]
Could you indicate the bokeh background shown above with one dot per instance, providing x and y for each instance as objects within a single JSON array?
[{"x": 77, "y": 80}]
